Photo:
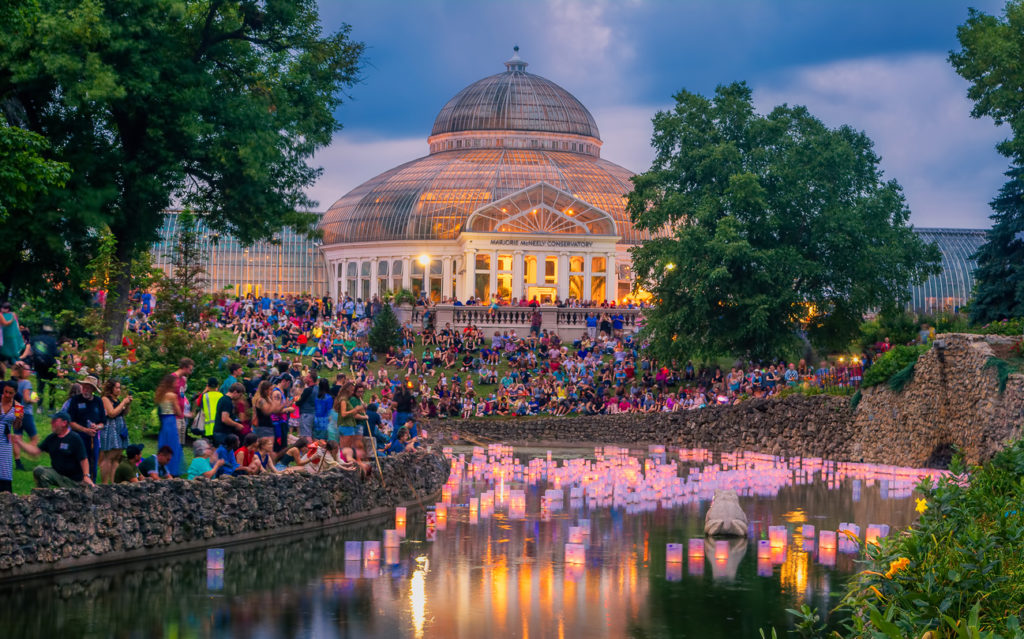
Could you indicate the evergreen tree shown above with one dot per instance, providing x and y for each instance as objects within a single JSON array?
[
  {"x": 999, "y": 291},
  {"x": 181, "y": 290},
  {"x": 386, "y": 331}
]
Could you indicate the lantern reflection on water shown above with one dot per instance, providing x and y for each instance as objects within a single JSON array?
[
  {"x": 353, "y": 550},
  {"x": 575, "y": 554}
]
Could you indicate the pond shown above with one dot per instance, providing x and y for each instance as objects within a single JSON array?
[{"x": 581, "y": 551}]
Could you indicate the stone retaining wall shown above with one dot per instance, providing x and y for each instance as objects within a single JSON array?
[
  {"x": 952, "y": 401},
  {"x": 795, "y": 425},
  {"x": 53, "y": 530}
]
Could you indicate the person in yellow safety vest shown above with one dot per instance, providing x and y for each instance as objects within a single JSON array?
[{"x": 209, "y": 401}]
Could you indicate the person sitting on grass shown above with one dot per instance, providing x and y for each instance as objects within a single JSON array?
[
  {"x": 201, "y": 466},
  {"x": 295, "y": 454},
  {"x": 402, "y": 443},
  {"x": 155, "y": 466},
  {"x": 246, "y": 455},
  {"x": 226, "y": 453},
  {"x": 128, "y": 470},
  {"x": 70, "y": 463}
]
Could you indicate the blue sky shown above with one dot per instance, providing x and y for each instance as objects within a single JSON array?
[{"x": 877, "y": 66}]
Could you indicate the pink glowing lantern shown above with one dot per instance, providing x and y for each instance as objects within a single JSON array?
[
  {"x": 764, "y": 565},
  {"x": 371, "y": 551},
  {"x": 353, "y": 550},
  {"x": 721, "y": 551},
  {"x": 400, "y": 516},
  {"x": 575, "y": 554},
  {"x": 442, "y": 511},
  {"x": 778, "y": 536},
  {"x": 391, "y": 538},
  {"x": 695, "y": 547},
  {"x": 764, "y": 548},
  {"x": 876, "y": 532},
  {"x": 390, "y": 556},
  {"x": 827, "y": 539},
  {"x": 674, "y": 553},
  {"x": 575, "y": 535}
]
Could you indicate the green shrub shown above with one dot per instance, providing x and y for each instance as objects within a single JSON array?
[
  {"x": 1003, "y": 370},
  {"x": 900, "y": 380},
  {"x": 386, "y": 331},
  {"x": 891, "y": 362},
  {"x": 959, "y": 571},
  {"x": 1010, "y": 327}
]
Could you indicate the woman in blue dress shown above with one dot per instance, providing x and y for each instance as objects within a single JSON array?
[{"x": 169, "y": 409}]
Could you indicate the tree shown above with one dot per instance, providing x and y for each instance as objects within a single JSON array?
[
  {"x": 990, "y": 61},
  {"x": 386, "y": 330},
  {"x": 766, "y": 225},
  {"x": 218, "y": 104}
]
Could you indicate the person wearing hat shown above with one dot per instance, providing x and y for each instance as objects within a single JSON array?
[
  {"x": 128, "y": 470},
  {"x": 69, "y": 463},
  {"x": 87, "y": 418}
]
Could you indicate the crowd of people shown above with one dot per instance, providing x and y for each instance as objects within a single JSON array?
[{"x": 304, "y": 392}]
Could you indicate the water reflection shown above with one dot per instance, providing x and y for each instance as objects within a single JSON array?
[{"x": 512, "y": 573}]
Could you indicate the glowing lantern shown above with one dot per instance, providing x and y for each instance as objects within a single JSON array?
[
  {"x": 215, "y": 559},
  {"x": 778, "y": 536},
  {"x": 353, "y": 550},
  {"x": 764, "y": 549},
  {"x": 674, "y": 553},
  {"x": 371, "y": 551},
  {"x": 721, "y": 551},
  {"x": 827, "y": 539},
  {"x": 400, "y": 516},
  {"x": 876, "y": 531},
  {"x": 391, "y": 538}
]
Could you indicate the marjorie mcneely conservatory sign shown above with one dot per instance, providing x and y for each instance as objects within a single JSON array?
[{"x": 551, "y": 243}]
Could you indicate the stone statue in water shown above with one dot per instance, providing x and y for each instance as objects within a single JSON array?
[{"x": 725, "y": 518}]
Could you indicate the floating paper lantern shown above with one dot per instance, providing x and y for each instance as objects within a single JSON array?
[
  {"x": 778, "y": 536},
  {"x": 371, "y": 551},
  {"x": 876, "y": 531},
  {"x": 353, "y": 550},
  {"x": 721, "y": 551},
  {"x": 400, "y": 516},
  {"x": 575, "y": 535},
  {"x": 391, "y": 538},
  {"x": 778, "y": 555},
  {"x": 827, "y": 539},
  {"x": 807, "y": 531},
  {"x": 764, "y": 564},
  {"x": 695, "y": 547},
  {"x": 441, "y": 509},
  {"x": 764, "y": 548},
  {"x": 575, "y": 554},
  {"x": 674, "y": 553}
]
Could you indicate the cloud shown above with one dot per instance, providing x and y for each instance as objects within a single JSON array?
[
  {"x": 352, "y": 159},
  {"x": 915, "y": 110},
  {"x": 626, "y": 132}
]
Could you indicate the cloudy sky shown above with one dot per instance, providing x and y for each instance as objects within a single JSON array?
[{"x": 879, "y": 66}]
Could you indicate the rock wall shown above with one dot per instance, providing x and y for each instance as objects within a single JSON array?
[
  {"x": 795, "y": 425},
  {"x": 52, "y": 530},
  {"x": 953, "y": 400}
]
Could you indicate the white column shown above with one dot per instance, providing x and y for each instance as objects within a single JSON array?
[
  {"x": 332, "y": 278},
  {"x": 611, "y": 282},
  {"x": 340, "y": 290},
  {"x": 586, "y": 276},
  {"x": 406, "y": 273},
  {"x": 563, "y": 276},
  {"x": 468, "y": 275},
  {"x": 446, "y": 276},
  {"x": 494, "y": 274},
  {"x": 517, "y": 274},
  {"x": 374, "y": 288}
]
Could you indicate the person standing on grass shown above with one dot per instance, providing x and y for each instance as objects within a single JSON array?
[
  {"x": 169, "y": 410},
  {"x": 69, "y": 462},
  {"x": 113, "y": 438},
  {"x": 87, "y": 419},
  {"x": 10, "y": 422},
  {"x": 21, "y": 376}
]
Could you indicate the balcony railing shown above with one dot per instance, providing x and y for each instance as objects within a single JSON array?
[{"x": 567, "y": 322}]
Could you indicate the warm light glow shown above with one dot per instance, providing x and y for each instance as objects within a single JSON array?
[
  {"x": 424, "y": 260},
  {"x": 670, "y": 266},
  {"x": 418, "y": 595}
]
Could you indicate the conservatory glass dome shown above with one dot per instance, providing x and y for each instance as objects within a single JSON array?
[{"x": 496, "y": 137}]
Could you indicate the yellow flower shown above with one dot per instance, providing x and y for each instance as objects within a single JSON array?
[
  {"x": 922, "y": 505},
  {"x": 896, "y": 566}
]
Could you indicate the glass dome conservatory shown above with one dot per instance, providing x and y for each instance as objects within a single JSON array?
[{"x": 512, "y": 201}]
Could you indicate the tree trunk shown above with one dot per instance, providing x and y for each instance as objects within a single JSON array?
[{"x": 116, "y": 310}]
